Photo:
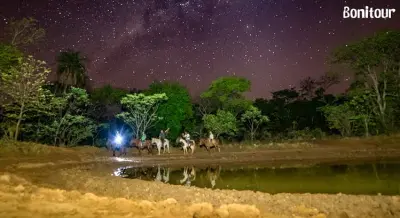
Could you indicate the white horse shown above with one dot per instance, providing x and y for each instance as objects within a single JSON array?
[
  {"x": 188, "y": 176},
  {"x": 162, "y": 177},
  {"x": 158, "y": 142},
  {"x": 186, "y": 145}
]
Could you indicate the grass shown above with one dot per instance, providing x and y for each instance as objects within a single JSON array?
[
  {"x": 382, "y": 141},
  {"x": 10, "y": 148}
]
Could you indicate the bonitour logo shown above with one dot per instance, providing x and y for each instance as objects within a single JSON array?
[{"x": 368, "y": 12}]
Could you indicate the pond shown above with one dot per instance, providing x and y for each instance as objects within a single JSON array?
[{"x": 364, "y": 178}]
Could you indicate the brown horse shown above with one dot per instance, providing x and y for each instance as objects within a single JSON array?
[
  {"x": 205, "y": 142},
  {"x": 142, "y": 146},
  {"x": 113, "y": 147}
]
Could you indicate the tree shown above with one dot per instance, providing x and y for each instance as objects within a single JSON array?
[
  {"x": 339, "y": 117},
  {"x": 71, "y": 70},
  {"x": 23, "y": 85},
  {"x": 228, "y": 93},
  {"x": 176, "y": 110},
  {"x": 107, "y": 102},
  {"x": 9, "y": 56},
  {"x": 24, "y": 32},
  {"x": 141, "y": 111},
  {"x": 308, "y": 87},
  {"x": 253, "y": 118},
  {"x": 223, "y": 122},
  {"x": 362, "y": 106},
  {"x": 68, "y": 123},
  {"x": 374, "y": 59}
]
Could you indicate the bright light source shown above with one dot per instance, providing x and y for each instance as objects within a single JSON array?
[{"x": 118, "y": 139}]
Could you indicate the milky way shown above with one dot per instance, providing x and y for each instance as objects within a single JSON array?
[{"x": 132, "y": 43}]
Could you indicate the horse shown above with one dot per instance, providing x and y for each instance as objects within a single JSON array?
[
  {"x": 189, "y": 175},
  {"x": 205, "y": 142},
  {"x": 213, "y": 175},
  {"x": 159, "y": 145},
  {"x": 162, "y": 177},
  {"x": 142, "y": 146},
  {"x": 186, "y": 145},
  {"x": 112, "y": 146}
]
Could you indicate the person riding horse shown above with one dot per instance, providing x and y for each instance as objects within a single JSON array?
[
  {"x": 186, "y": 136},
  {"x": 162, "y": 136},
  {"x": 211, "y": 137},
  {"x": 143, "y": 139}
]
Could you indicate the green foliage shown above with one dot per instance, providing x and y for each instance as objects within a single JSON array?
[
  {"x": 224, "y": 122},
  {"x": 228, "y": 92},
  {"x": 339, "y": 117},
  {"x": 9, "y": 56},
  {"x": 253, "y": 119},
  {"x": 71, "y": 70},
  {"x": 22, "y": 85},
  {"x": 375, "y": 60},
  {"x": 107, "y": 95},
  {"x": 63, "y": 120},
  {"x": 141, "y": 111},
  {"x": 176, "y": 111},
  {"x": 362, "y": 105}
]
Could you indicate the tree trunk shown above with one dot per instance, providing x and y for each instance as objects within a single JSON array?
[
  {"x": 366, "y": 127},
  {"x": 21, "y": 112},
  {"x": 252, "y": 132},
  {"x": 380, "y": 97}
]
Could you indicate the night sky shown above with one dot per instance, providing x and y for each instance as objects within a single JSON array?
[{"x": 129, "y": 44}]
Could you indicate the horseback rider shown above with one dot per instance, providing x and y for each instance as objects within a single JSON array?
[
  {"x": 186, "y": 136},
  {"x": 211, "y": 137},
  {"x": 143, "y": 139},
  {"x": 162, "y": 136}
]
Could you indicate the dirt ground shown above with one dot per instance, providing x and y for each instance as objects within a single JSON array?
[{"x": 80, "y": 184}]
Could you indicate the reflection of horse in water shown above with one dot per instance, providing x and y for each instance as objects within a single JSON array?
[
  {"x": 208, "y": 144},
  {"x": 189, "y": 175},
  {"x": 112, "y": 146},
  {"x": 136, "y": 143},
  {"x": 213, "y": 174},
  {"x": 163, "y": 177}
]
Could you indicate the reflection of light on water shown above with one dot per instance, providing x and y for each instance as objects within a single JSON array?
[
  {"x": 119, "y": 159},
  {"x": 120, "y": 171}
]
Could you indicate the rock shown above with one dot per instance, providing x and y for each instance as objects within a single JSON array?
[
  {"x": 239, "y": 210},
  {"x": 338, "y": 215},
  {"x": 170, "y": 201},
  {"x": 5, "y": 178},
  {"x": 305, "y": 211},
  {"x": 19, "y": 188},
  {"x": 201, "y": 210},
  {"x": 320, "y": 215}
]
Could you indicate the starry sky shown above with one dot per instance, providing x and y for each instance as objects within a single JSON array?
[{"x": 130, "y": 43}]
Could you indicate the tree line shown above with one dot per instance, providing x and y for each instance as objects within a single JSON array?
[{"x": 68, "y": 112}]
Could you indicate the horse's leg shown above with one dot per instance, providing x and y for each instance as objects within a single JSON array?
[{"x": 159, "y": 148}]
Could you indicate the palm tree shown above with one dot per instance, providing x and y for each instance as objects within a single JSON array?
[{"x": 71, "y": 70}]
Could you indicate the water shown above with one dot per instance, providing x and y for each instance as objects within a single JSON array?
[{"x": 366, "y": 178}]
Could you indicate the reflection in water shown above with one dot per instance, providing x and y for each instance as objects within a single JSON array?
[
  {"x": 349, "y": 179},
  {"x": 189, "y": 175},
  {"x": 164, "y": 176}
]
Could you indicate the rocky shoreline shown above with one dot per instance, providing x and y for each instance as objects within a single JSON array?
[{"x": 49, "y": 188}]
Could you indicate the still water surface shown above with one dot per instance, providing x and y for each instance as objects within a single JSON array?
[{"x": 365, "y": 178}]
